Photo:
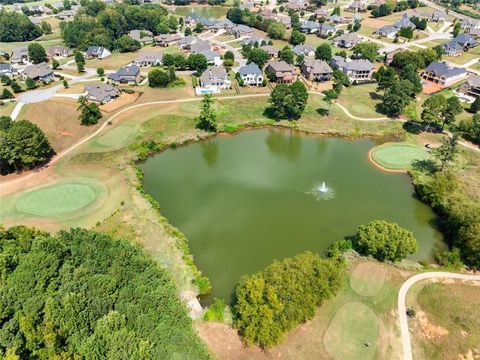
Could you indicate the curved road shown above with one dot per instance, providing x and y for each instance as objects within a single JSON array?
[{"x": 402, "y": 309}]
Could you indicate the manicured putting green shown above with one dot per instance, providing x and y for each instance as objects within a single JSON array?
[
  {"x": 398, "y": 156},
  {"x": 367, "y": 278},
  {"x": 353, "y": 333},
  {"x": 57, "y": 199}
]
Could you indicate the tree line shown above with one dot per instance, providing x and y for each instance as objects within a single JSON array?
[
  {"x": 17, "y": 27},
  {"x": 81, "y": 294}
]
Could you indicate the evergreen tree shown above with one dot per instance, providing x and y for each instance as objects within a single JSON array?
[{"x": 207, "y": 120}]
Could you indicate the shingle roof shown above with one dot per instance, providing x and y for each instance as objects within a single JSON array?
[
  {"x": 37, "y": 71},
  {"x": 442, "y": 69},
  {"x": 251, "y": 68},
  {"x": 303, "y": 49},
  {"x": 214, "y": 73},
  {"x": 318, "y": 66},
  {"x": 102, "y": 92}
]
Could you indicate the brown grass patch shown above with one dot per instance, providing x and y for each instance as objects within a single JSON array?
[
  {"x": 123, "y": 100},
  {"x": 429, "y": 329}
]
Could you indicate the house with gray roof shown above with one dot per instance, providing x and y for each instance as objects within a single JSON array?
[
  {"x": 325, "y": 30},
  {"x": 443, "y": 73},
  {"x": 321, "y": 13},
  {"x": 142, "y": 36},
  {"x": 469, "y": 24},
  {"x": 213, "y": 57},
  {"x": 316, "y": 70},
  {"x": 465, "y": 40},
  {"x": 126, "y": 75},
  {"x": 200, "y": 46},
  {"x": 452, "y": 48},
  {"x": 149, "y": 58},
  {"x": 305, "y": 50},
  {"x": 187, "y": 41},
  {"x": 58, "y": 51},
  {"x": 97, "y": 52},
  {"x": 19, "y": 55},
  {"x": 252, "y": 40},
  {"x": 281, "y": 72},
  {"x": 309, "y": 27},
  {"x": 437, "y": 16},
  {"x": 389, "y": 31},
  {"x": 405, "y": 22},
  {"x": 166, "y": 40},
  {"x": 8, "y": 70},
  {"x": 251, "y": 75},
  {"x": 337, "y": 19},
  {"x": 39, "y": 72},
  {"x": 271, "y": 50},
  {"x": 347, "y": 40},
  {"x": 357, "y": 6},
  {"x": 101, "y": 93},
  {"x": 359, "y": 70},
  {"x": 241, "y": 31},
  {"x": 215, "y": 77},
  {"x": 471, "y": 87}
]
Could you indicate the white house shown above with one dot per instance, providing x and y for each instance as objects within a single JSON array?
[{"x": 251, "y": 74}]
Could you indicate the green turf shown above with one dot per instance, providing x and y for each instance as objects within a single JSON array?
[
  {"x": 398, "y": 156},
  {"x": 367, "y": 279},
  {"x": 354, "y": 325},
  {"x": 116, "y": 138}
]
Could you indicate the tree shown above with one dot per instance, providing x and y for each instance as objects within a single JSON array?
[
  {"x": 198, "y": 28},
  {"x": 15, "y": 87},
  {"x": 336, "y": 11},
  {"x": 17, "y": 27},
  {"x": 46, "y": 27},
  {"x": 475, "y": 107},
  {"x": 409, "y": 73},
  {"x": 446, "y": 152},
  {"x": 168, "y": 60},
  {"x": 127, "y": 44},
  {"x": 36, "y": 53},
  {"x": 197, "y": 62},
  {"x": 421, "y": 24},
  {"x": 101, "y": 72},
  {"x": 385, "y": 77},
  {"x": 287, "y": 55},
  {"x": 433, "y": 110},
  {"x": 55, "y": 64},
  {"x": 258, "y": 56},
  {"x": 297, "y": 38},
  {"x": 23, "y": 146},
  {"x": 276, "y": 30},
  {"x": 367, "y": 50},
  {"x": 7, "y": 94},
  {"x": 188, "y": 31},
  {"x": 323, "y": 52},
  {"x": 89, "y": 111},
  {"x": 30, "y": 83},
  {"x": 158, "y": 78},
  {"x": 6, "y": 123},
  {"x": 385, "y": 241},
  {"x": 207, "y": 120},
  {"x": 65, "y": 84},
  {"x": 457, "y": 28},
  {"x": 453, "y": 108},
  {"x": 228, "y": 58},
  {"x": 340, "y": 78},
  {"x": 406, "y": 32},
  {"x": 395, "y": 99},
  {"x": 288, "y": 102}
]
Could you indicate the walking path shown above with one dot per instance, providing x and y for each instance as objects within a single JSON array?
[
  {"x": 402, "y": 310},
  {"x": 16, "y": 110}
]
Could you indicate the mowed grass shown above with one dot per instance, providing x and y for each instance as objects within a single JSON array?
[
  {"x": 398, "y": 156},
  {"x": 367, "y": 279},
  {"x": 454, "y": 307},
  {"x": 358, "y": 339},
  {"x": 7, "y": 108},
  {"x": 361, "y": 100}
]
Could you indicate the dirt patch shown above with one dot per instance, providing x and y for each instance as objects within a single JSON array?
[
  {"x": 431, "y": 87},
  {"x": 123, "y": 100},
  {"x": 429, "y": 329}
]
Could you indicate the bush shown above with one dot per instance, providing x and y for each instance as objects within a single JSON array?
[
  {"x": 385, "y": 241},
  {"x": 158, "y": 78},
  {"x": 285, "y": 294},
  {"x": 215, "y": 311}
]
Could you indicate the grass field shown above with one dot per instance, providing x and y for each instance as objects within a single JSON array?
[
  {"x": 367, "y": 279},
  {"x": 361, "y": 100},
  {"x": 398, "y": 156},
  {"x": 7, "y": 108},
  {"x": 447, "y": 321}
]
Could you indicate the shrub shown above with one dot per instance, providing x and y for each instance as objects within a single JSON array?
[
  {"x": 385, "y": 241},
  {"x": 215, "y": 311}
]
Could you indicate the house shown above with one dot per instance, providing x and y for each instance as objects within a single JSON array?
[
  {"x": 215, "y": 77},
  {"x": 187, "y": 41},
  {"x": 7, "y": 70},
  {"x": 357, "y": 6},
  {"x": 241, "y": 31},
  {"x": 200, "y": 46},
  {"x": 126, "y": 75},
  {"x": 405, "y": 22},
  {"x": 281, "y": 72},
  {"x": 452, "y": 48},
  {"x": 437, "y": 16},
  {"x": 102, "y": 93},
  {"x": 389, "y": 31},
  {"x": 253, "y": 40},
  {"x": 389, "y": 57},
  {"x": 321, "y": 14},
  {"x": 304, "y": 50},
  {"x": 98, "y": 52},
  {"x": 271, "y": 50},
  {"x": 316, "y": 70},
  {"x": 309, "y": 27},
  {"x": 469, "y": 24},
  {"x": 150, "y": 58},
  {"x": 251, "y": 74},
  {"x": 39, "y": 72},
  {"x": 166, "y": 40},
  {"x": 142, "y": 36},
  {"x": 443, "y": 74},
  {"x": 191, "y": 20},
  {"x": 356, "y": 70},
  {"x": 475, "y": 33},
  {"x": 465, "y": 40},
  {"x": 58, "y": 51},
  {"x": 471, "y": 87},
  {"x": 19, "y": 55},
  {"x": 213, "y": 57},
  {"x": 347, "y": 40},
  {"x": 325, "y": 30},
  {"x": 285, "y": 20},
  {"x": 337, "y": 19}
]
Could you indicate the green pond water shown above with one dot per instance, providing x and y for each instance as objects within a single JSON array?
[{"x": 248, "y": 199}]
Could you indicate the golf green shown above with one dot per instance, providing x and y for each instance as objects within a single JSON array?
[
  {"x": 57, "y": 199},
  {"x": 353, "y": 333},
  {"x": 398, "y": 156}
]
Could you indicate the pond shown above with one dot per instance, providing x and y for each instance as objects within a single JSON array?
[
  {"x": 215, "y": 12},
  {"x": 248, "y": 199}
]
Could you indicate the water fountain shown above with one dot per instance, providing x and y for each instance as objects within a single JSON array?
[
  {"x": 322, "y": 191},
  {"x": 323, "y": 187}
]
